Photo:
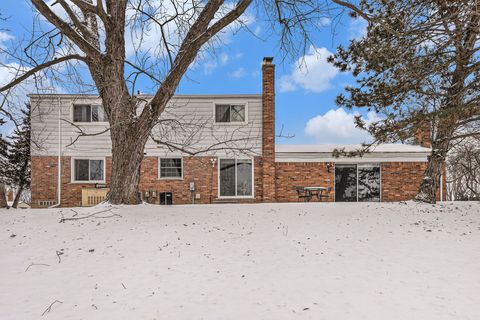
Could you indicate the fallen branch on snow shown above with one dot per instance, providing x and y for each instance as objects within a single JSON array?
[
  {"x": 36, "y": 264},
  {"x": 59, "y": 253},
  {"x": 92, "y": 215},
  {"x": 50, "y": 307}
]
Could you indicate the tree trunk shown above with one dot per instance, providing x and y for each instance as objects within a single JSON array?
[
  {"x": 431, "y": 178},
  {"x": 17, "y": 197},
  {"x": 3, "y": 196},
  {"x": 127, "y": 154}
]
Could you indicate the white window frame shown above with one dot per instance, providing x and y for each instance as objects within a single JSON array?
[
  {"x": 237, "y": 103},
  {"x": 72, "y": 112},
  {"x": 72, "y": 170},
  {"x": 357, "y": 165},
  {"x": 169, "y": 178},
  {"x": 253, "y": 178}
]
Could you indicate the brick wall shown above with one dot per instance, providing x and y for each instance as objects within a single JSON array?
[
  {"x": 400, "y": 180},
  {"x": 292, "y": 174},
  {"x": 196, "y": 169},
  {"x": 44, "y": 181}
]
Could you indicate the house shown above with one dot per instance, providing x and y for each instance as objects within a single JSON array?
[{"x": 232, "y": 156}]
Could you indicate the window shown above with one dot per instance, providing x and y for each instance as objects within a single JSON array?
[
  {"x": 88, "y": 170},
  {"x": 230, "y": 113},
  {"x": 89, "y": 113},
  {"x": 236, "y": 177},
  {"x": 171, "y": 168}
]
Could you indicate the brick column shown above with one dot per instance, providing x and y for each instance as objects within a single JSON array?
[
  {"x": 423, "y": 136},
  {"x": 268, "y": 133}
]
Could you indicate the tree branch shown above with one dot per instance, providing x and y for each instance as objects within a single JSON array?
[
  {"x": 65, "y": 28},
  {"x": 39, "y": 68}
]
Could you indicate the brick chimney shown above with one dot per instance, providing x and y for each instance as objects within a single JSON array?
[
  {"x": 10, "y": 195},
  {"x": 268, "y": 133},
  {"x": 422, "y": 136}
]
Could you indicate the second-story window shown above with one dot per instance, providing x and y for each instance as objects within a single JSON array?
[
  {"x": 230, "y": 113},
  {"x": 88, "y": 113}
]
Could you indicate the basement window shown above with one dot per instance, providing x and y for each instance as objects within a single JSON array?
[
  {"x": 89, "y": 113},
  {"x": 171, "y": 168},
  {"x": 226, "y": 113},
  {"x": 89, "y": 170}
]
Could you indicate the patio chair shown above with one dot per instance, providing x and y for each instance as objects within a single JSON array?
[
  {"x": 303, "y": 193},
  {"x": 325, "y": 194}
]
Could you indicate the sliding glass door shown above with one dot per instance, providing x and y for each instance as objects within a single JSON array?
[
  {"x": 235, "y": 177},
  {"x": 360, "y": 182}
]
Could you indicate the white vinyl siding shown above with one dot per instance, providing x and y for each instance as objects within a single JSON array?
[{"x": 194, "y": 110}]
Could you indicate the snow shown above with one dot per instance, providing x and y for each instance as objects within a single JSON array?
[
  {"x": 322, "y": 148},
  {"x": 255, "y": 261}
]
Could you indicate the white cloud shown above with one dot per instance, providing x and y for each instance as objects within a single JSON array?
[
  {"x": 222, "y": 59},
  {"x": 239, "y": 73},
  {"x": 311, "y": 72},
  {"x": 4, "y": 36},
  {"x": 357, "y": 28},
  {"x": 325, "y": 22},
  {"x": 209, "y": 67},
  {"x": 337, "y": 126}
]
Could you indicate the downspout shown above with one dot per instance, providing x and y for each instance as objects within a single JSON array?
[
  {"x": 59, "y": 166},
  {"x": 441, "y": 186}
]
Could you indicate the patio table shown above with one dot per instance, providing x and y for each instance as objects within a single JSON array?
[{"x": 317, "y": 191}]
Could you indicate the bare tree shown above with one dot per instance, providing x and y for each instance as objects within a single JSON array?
[
  {"x": 166, "y": 38},
  {"x": 463, "y": 167}
]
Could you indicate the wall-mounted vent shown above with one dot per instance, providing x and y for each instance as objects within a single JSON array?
[
  {"x": 46, "y": 203},
  {"x": 92, "y": 197}
]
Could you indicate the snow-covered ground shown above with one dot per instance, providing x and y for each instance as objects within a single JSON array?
[{"x": 260, "y": 261}]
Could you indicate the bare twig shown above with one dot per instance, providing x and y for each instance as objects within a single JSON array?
[
  {"x": 36, "y": 264},
  {"x": 59, "y": 253},
  {"x": 50, "y": 307}
]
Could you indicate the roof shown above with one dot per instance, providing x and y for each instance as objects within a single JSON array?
[
  {"x": 390, "y": 152},
  {"x": 328, "y": 148}
]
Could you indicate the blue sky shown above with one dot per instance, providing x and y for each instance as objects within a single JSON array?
[{"x": 305, "y": 99}]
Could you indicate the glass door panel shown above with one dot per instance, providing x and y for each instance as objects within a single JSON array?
[
  {"x": 227, "y": 177},
  {"x": 345, "y": 183},
  {"x": 244, "y": 177},
  {"x": 369, "y": 183}
]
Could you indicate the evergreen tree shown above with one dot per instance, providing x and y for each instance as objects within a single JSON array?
[
  {"x": 418, "y": 66},
  {"x": 3, "y": 168},
  {"x": 19, "y": 165}
]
